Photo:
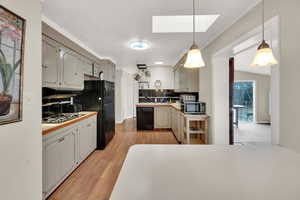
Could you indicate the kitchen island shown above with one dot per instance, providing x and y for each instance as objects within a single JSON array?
[{"x": 189, "y": 172}]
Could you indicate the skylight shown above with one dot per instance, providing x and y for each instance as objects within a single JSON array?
[{"x": 182, "y": 24}]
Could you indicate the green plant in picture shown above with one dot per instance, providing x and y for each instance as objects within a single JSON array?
[{"x": 7, "y": 70}]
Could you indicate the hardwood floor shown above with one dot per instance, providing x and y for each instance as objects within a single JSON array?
[{"x": 94, "y": 178}]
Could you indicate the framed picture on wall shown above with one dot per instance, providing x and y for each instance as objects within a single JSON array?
[{"x": 12, "y": 35}]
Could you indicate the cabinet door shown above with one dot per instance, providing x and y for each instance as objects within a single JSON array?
[
  {"x": 193, "y": 81},
  {"x": 162, "y": 117},
  {"x": 72, "y": 74},
  {"x": 106, "y": 71},
  {"x": 51, "y": 165},
  {"x": 113, "y": 72},
  {"x": 97, "y": 69},
  {"x": 68, "y": 153},
  {"x": 87, "y": 66},
  {"x": 50, "y": 66},
  {"x": 86, "y": 138},
  {"x": 176, "y": 79}
]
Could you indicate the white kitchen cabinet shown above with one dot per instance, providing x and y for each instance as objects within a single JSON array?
[
  {"x": 176, "y": 118},
  {"x": 109, "y": 70},
  {"x": 72, "y": 73},
  {"x": 51, "y": 165},
  {"x": 50, "y": 64},
  {"x": 59, "y": 158},
  {"x": 87, "y": 138},
  {"x": 68, "y": 153},
  {"x": 98, "y": 68},
  {"x": 186, "y": 80},
  {"x": 87, "y": 66},
  {"x": 65, "y": 149},
  {"x": 162, "y": 117}
]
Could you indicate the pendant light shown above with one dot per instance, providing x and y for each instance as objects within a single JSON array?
[
  {"x": 194, "y": 57},
  {"x": 264, "y": 54}
]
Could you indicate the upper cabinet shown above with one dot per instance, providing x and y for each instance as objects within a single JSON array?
[
  {"x": 61, "y": 67},
  {"x": 87, "y": 66},
  {"x": 72, "y": 72},
  {"x": 64, "y": 69},
  {"x": 185, "y": 80},
  {"x": 107, "y": 68},
  {"x": 50, "y": 64}
]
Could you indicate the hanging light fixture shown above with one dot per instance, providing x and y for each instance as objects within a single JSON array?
[
  {"x": 264, "y": 54},
  {"x": 194, "y": 57}
]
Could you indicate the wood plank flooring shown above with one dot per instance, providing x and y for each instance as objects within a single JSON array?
[{"x": 94, "y": 179}]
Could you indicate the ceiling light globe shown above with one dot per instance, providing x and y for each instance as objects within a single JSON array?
[{"x": 194, "y": 58}]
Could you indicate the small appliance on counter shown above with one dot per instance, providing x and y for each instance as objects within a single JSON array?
[
  {"x": 189, "y": 105},
  {"x": 193, "y": 108}
]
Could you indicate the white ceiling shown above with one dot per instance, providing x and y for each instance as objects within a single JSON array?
[{"x": 106, "y": 27}]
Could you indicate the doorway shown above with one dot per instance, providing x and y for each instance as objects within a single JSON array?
[{"x": 221, "y": 119}]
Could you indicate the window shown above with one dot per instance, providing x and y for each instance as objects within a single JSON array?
[{"x": 244, "y": 98}]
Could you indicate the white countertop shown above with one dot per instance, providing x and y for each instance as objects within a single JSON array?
[{"x": 193, "y": 172}]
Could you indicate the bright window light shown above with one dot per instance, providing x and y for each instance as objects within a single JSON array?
[{"x": 182, "y": 24}]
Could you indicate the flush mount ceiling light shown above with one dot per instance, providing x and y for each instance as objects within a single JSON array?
[
  {"x": 139, "y": 45},
  {"x": 194, "y": 57},
  {"x": 264, "y": 55},
  {"x": 182, "y": 24},
  {"x": 159, "y": 63}
]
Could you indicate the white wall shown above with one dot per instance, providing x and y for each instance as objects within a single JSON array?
[
  {"x": 289, "y": 61},
  {"x": 21, "y": 143},
  {"x": 219, "y": 133},
  {"x": 126, "y": 96},
  {"x": 163, "y": 73},
  {"x": 262, "y": 91}
]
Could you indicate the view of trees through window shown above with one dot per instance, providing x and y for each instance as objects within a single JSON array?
[{"x": 243, "y": 96}]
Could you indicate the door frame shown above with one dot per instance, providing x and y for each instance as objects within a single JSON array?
[{"x": 231, "y": 88}]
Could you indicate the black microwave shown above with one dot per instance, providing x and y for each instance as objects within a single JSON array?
[{"x": 194, "y": 108}]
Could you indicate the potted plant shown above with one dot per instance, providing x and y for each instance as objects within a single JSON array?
[{"x": 7, "y": 70}]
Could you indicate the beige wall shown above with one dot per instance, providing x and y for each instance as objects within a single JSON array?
[
  {"x": 288, "y": 12},
  {"x": 21, "y": 143},
  {"x": 262, "y": 91}
]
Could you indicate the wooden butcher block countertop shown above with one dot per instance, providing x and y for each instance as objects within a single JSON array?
[{"x": 48, "y": 128}]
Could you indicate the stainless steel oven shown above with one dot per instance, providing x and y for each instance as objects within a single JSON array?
[{"x": 194, "y": 108}]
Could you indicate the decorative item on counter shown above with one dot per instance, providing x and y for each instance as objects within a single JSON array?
[{"x": 12, "y": 32}]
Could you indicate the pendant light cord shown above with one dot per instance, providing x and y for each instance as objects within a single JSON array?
[
  {"x": 194, "y": 40},
  {"x": 263, "y": 19}
]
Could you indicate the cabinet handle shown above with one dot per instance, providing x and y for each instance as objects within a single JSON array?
[
  {"x": 45, "y": 66},
  {"x": 61, "y": 139},
  {"x": 89, "y": 125}
]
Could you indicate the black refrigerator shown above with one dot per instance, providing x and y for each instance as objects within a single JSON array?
[{"x": 99, "y": 96}]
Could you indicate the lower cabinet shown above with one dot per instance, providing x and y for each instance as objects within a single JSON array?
[
  {"x": 162, "y": 117},
  {"x": 177, "y": 121},
  {"x": 87, "y": 139},
  {"x": 64, "y": 150}
]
